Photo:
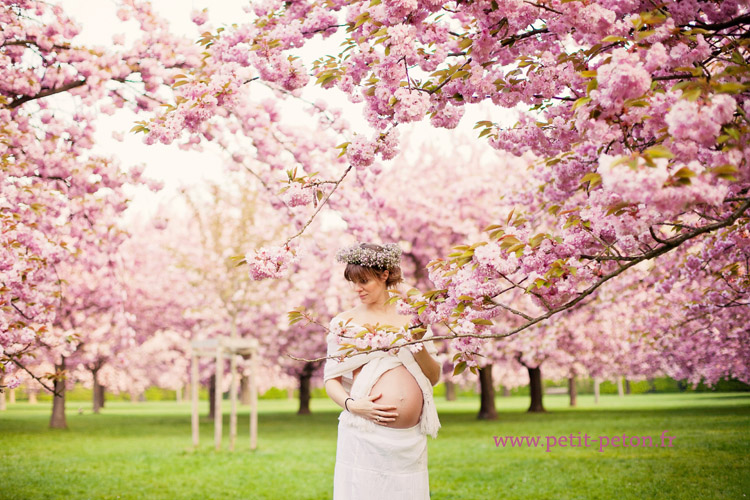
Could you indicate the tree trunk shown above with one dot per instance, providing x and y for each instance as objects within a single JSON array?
[
  {"x": 97, "y": 396},
  {"x": 304, "y": 389},
  {"x": 572, "y": 392},
  {"x": 627, "y": 386},
  {"x": 450, "y": 390},
  {"x": 535, "y": 385},
  {"x": 32, "y": 396},
  {"x": 620, "y": 392},
  {"x": 57, "y": 420},
  {"x": 506, "y": 392},
  {"x": 178, "y": 394},
  {"x": 290, "y": 392},
  {"x": 102, "y": 396},
  {"x": 2, "y": 394},
  {"x": 487, "y": 409},
  {"x": 212, "y": 397},
  {"x": 245, "y": 390},
  {"x": 12, "y": 396}
]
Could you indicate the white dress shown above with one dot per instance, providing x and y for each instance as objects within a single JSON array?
[{"x": 373, "y": 461}]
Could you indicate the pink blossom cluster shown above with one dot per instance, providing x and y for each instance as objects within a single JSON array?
[
  {"x": 361, "y": 152},
  {"x": 374, "y": 338},
  {"x": 691, "y": 120},
  {"x": 298, "y": 195},
  {"x": 199, "y": 17},
  {"x": 623, "y": 77},
  {"x": 270, "y": 262}
]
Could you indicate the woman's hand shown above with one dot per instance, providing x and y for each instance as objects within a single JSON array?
[{"x": 367, "y": 408}]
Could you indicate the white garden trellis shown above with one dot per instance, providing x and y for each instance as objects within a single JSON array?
[{"x": 221, "y": 348}]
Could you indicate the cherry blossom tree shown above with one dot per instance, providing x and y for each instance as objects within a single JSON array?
[
  {"x": 633, "y": 124},
  {"x": 59, "y": 199}
]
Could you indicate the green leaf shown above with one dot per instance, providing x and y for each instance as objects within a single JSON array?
[
  {"x": 593, "y": 178},
  {"x": 726, "y": 172},
  {"x": 659, "y": 151},
  {"x": 617, "y": 208},
  {"x": 482, "y": 321},
  {"x": 536, "y": 240},
  {"x": 459, "y": 368},
  {"x": 731, "y": 87},
  {"x": 644, "y": 34},
  {"x": 612, "y": 38},
  {"x": 580, "y": 102},
  {"x": 684, "y": 173},
  {"x": 691, "y": 95}
]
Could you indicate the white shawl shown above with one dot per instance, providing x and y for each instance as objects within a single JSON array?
[{"x": 375, "y": 364}]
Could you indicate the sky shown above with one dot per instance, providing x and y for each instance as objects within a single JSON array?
[{"x": 177, "y": 168}]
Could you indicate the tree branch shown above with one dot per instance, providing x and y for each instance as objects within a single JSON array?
[
  {"x": 668, "y": 245},
  {"x": 45, "y": 93},
  {"x": 14, "y": 360},
  {"x": 320, "y": 205}
]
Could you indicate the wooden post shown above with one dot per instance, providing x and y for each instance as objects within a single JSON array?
[
  {"x": 233, "y": 398},
  {"x": 194, "y": 387},
  {"x": 253, "y": 401},
  {"x": 217, "y": 406},
  {"x": 244, "y": 390},
  {"x": 620, "y": 392},
  {"x": 596, "y": 390}
]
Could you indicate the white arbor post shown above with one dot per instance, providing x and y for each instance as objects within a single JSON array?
[
  {"x": 233, "y": 398},
  {"x": 596, "y": 389},
  {"x": 253, "y": 400},
  {"x": 219, "y": 349},
  {"x": 233, "y": 389},
  {"x": 194, "y": 396},
  {"x": 219, "y": 377}
]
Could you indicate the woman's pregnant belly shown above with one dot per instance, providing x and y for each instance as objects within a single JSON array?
[{"x": 399, "y": 388}]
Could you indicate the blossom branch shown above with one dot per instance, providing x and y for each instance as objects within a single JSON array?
[
  {"x": 320, "y": 206},
  {"x": 668, "y": 245},
  {"x": 21, "y": 366}
]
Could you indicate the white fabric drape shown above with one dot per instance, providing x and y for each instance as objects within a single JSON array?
[
  {"x": 387, "y": 464},
  {"x": 374, "y": 365}
]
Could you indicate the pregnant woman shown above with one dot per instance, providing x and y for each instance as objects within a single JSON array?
[{"x": 388, "y": 410}]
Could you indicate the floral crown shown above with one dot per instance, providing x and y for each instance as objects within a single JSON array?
[{"x": 387, "y": 257}]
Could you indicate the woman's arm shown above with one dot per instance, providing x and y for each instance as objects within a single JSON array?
[
  {"x": 430, "y": 367},
  {"x": 336, "y": 391},
  {"x": 364, "y": 407}
]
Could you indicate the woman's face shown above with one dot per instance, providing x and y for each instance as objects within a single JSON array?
[{"x": 370, "y": 290}]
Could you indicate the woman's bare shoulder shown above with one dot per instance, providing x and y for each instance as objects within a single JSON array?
[{"x": 346, "y": 315}]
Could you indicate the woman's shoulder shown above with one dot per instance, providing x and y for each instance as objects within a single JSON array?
[{"x": 346, "y": 315}]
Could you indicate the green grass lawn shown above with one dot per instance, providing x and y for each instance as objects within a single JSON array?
[{"x": 144, "y": 451}]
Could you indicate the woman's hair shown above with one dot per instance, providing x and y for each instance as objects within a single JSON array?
[{"x": 359, "y": 273}]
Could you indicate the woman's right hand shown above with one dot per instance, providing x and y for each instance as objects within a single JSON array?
[{"x": 367, "y": 408}]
